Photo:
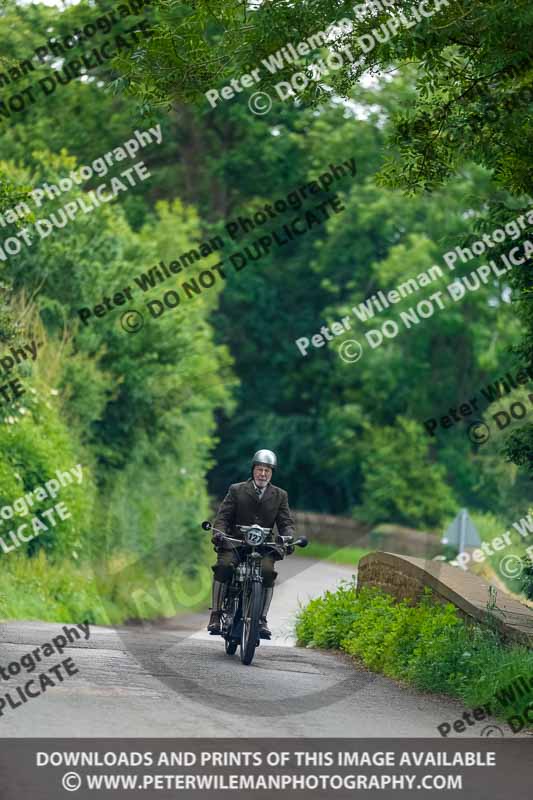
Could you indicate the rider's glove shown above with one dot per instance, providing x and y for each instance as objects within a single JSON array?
[
  {"x": 290, "y": 549},
  {"x": 216, "y": 539}
]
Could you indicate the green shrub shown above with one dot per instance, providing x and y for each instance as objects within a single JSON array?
[
  {"x": 401, "y": 483},
  {"x": 117, "y": 590},
  {"x": 327, "y": 619},
  {"x": 428, "y": 645},
  {"x": 34, "y": 444},
  {"x": 368, "y": 633},
  {"x": 527, "y": 577}
]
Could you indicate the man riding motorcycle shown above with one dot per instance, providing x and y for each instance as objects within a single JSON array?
[{"x": 253, "y": 501}]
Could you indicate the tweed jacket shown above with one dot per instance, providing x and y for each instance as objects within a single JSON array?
[{"x": 242, "y": 506}]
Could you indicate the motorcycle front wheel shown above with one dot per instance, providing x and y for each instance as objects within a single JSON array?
[
  {"x": 250, "y": 621},
  {"x": 231, "y": 647}
]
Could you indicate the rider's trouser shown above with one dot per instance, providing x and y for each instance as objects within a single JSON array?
[{"x": 228, "y": 559}]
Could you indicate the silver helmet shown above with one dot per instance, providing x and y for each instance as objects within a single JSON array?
[{"x": 266, "y": 457}]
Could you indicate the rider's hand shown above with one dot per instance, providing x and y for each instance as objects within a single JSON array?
[
  {"x": 290, "y": 549},
  {"x": 216, "y": 539}
]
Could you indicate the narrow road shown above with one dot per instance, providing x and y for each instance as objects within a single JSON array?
[{"x": 172, "y": 679}]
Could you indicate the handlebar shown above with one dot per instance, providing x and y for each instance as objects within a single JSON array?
[
  {"x": 247, "y": 528},
  {"x": 287, "y": 541}
]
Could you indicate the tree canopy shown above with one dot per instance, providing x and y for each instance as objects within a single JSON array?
[{"x": 437, "y": 122}]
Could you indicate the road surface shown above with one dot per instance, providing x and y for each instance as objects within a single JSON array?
[{"x": 173, "y": 680}]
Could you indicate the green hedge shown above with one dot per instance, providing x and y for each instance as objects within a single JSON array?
[
  {"x": 108, "y": 593},
  {"x": 427, "y": 645},
  {"x": 35, "y": 443}
]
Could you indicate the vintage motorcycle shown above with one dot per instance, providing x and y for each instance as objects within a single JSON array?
[{"x": 239, "y": 620}]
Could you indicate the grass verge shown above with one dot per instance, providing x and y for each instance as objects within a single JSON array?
[
  {"x": 330, "y": 552},
  {"x": 109, "y": 593},
  {"x": 428, "y": 646}
]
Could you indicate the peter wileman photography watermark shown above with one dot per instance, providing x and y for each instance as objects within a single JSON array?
[
  {"x": 104, "y": 193},
  {"x": 455, "y": 291},
  {"x": 520, "y": 687},
  {"x": 288, "y": 230},
  {"x": 351, "y": 350},
  {"x": 479, "y": 431},
  {"x": 511, "y": 566},
  {"x": 35, "y": 526},
  {"x": 16, "y": 355},
  {"x": 56, "y": 49},
  {"x": 261, "y": 102},
  {"x": 16, "y": 696}
]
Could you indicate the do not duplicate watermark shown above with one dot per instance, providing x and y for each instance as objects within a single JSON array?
[
  {"x": 290, "y": 54},
  {"x": 288, "y": 229},
  {"x": 38, "y": 684}
]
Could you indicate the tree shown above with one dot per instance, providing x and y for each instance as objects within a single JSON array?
[
  {"x": 125, "y": 398},
  {"x": 471, "y": 62},
  {"x": 404, "y": 490},
  {"x": 470, "y": 58}
]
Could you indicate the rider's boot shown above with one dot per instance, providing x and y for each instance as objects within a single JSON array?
[
  {"x": 218, "y": 595},
  {"x": 264, "y": 632}
]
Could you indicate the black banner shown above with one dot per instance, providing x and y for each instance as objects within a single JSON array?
[{"x": 54, "y": 769}]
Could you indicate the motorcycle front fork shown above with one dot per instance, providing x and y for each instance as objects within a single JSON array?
[
  {"x": 234, "y": 606},
  {"x": 231, "y": 605}
]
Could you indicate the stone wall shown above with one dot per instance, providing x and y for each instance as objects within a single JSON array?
[
  {"x": 327, "y": 529},
  {"x": 348, "y": 532},
  {"x": 405, "y": 577},
  {"x": 407, "y": 541}
]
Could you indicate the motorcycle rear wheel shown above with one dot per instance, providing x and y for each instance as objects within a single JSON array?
[{"x": 250, "y": 622}]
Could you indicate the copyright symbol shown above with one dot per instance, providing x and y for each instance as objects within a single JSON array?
[
  {"x": 71, "y": 781},
  {"x": 350, "y": 351},
  {"x": 478, "y": 432},
  {"x": 492, "y": 730},
  {"x": 260, "y": 103},
  {"x": 511, "y": 566},
  {"x": 132, "y": 321}
]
